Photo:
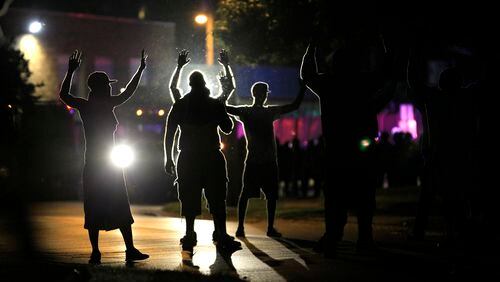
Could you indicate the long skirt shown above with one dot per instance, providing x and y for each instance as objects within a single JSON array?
[{"x": 106, "y": 202}]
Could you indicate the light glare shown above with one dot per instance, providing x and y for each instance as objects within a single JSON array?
[
  {"x": 35, "y": 27},
  {"x": 122, "y": 156},
  {"x": 201, "y": 19}
]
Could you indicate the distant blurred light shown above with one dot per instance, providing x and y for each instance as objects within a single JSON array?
[
  {"x": 68, "y": 107},
  {"x": 161, "y": 112},
  {"x": 201, "y": 19},
  {"x": 122, "y": 89},
  {"x": 364, "y": 144},
  {"x": 222, "y": 146},
  {"x": 35, "y": 27},
  {"x": 138, "y": 112},
  {"x": 10, "y": 106},
  {"x": 142, "y": 13},
  {"x": 122, "y": 155}
]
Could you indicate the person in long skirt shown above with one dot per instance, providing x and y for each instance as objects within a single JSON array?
[{"x": 106, "y": 203}]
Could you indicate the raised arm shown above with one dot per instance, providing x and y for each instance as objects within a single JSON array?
[
  {"x": 73, "y": 63},
  {"x": 226, "y": 78},
  {"x": 182, "y": 60},
  {"x": 295, "y": 104},
  {"x": 133, "y": 83},
  {"x": 170, "y": 130},
  {"x": 309, "y": 69}
]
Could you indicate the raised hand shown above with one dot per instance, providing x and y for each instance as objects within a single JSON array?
[
  {"x": 183, "y": 58},
  {"x": 144, "y": 57},
  {"x": 74, "y": 61},
  {"x": 225, "y": 82},
  {"x": 223, "y": 57}
]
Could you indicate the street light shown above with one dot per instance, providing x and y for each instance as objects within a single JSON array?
[
  {"x": 35, "y": 27},
  {"x": 201, "y": 19},
  {"x": 208, "y": 21}
]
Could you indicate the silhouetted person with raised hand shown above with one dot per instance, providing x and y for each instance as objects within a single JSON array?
[
  {"x": 200, "y": 164},
  {"x": 182, "y": 60},
  {"x": 350, "y": 95},
  {"x": 106, "y": 203},
  {"x": 261, "y": 165}
]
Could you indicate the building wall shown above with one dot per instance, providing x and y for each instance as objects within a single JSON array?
[{"x": 109, "y": 44}]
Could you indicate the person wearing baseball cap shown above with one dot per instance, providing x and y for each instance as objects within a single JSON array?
[
  {"x": 99, "y": 78},
  {"x": 106, "y": 204}
]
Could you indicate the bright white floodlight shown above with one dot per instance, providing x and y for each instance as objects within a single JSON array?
[
  {"x": 35, "y": 27},
  {"x": 122, "y": 156}
]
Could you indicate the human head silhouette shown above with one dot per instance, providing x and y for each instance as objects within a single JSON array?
[
  {"x": 260, "y": 90},
  {"x": 450, "y": 80},
  {"x": 196, "y": 80},
  {"x": 99, "y": 82}
]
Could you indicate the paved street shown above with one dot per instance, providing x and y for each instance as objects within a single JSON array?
[{"x": 59, "y": 233}]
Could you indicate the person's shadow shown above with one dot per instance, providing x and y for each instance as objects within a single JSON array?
[{"x": 282, "y": 267}]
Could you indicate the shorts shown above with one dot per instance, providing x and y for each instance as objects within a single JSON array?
[
  {"x": 260, "y": 176},
  {"x": 198, "y": 171}
]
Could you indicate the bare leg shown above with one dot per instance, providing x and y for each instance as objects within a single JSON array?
[
  {"x": 271, "y": 212},
  {"x": 94, "y": 239},
  {"x": 190, "y": 224},
  {"x": 242, "y": 210},
  {"x": 127, "y": 237},
  {"x": 131, "y": 254},
  {"x": 95, "y": 257}
]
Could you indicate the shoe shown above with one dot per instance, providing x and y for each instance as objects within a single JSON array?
[
  {"x": 189, "y": 241},
  {"x": 215, "y": 237},
  {"x": 135, "y": 254},
  {"x": 228, "y": 243},
  {"x": 327, "y": 247},
  {"x": 273, "y": 233},
  {"x": 95, "y": 258},
  {"x": 240, "y": 232}
]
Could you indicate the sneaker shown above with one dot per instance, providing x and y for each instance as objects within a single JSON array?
[
  {"x": 189, "y": 241},
  {"x": 240, "y": 232},
  {"x": 215, "y": 237},
  {"x": 273, "y": 233},
  {"x": 95, "y": 258},
  {"x": 228, "y": 243},
  {"x": 135, "y": 254}
]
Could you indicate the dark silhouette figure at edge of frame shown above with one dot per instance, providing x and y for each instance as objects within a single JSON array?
[
  {"x": 106, "y": 203},
  {"x": 261, "y": 165},
  {"x": 347, "y": 89},
  {"x": 200, "y": 165},
  {"x": 448, "y": 161}
]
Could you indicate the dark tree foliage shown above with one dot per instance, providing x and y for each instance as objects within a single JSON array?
[
  {"x": 17, "y": 90},
  {"x": 272, "y": 32}
]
